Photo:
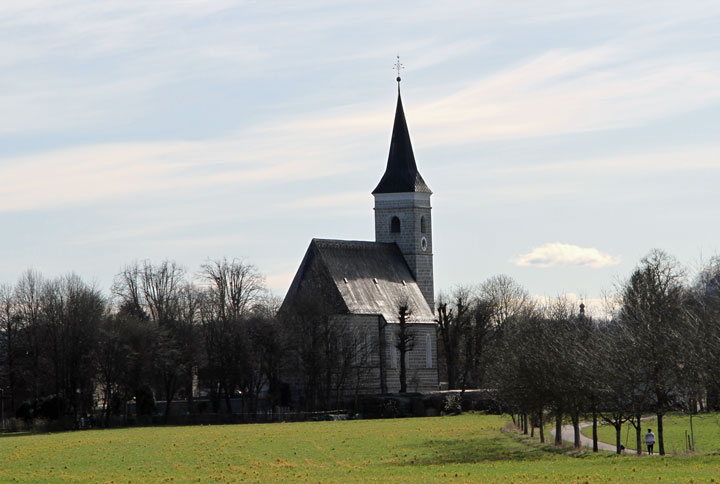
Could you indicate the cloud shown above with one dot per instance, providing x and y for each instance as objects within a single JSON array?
[
  {"x": 87, "y": 174},
  {"x": 557, "y": 253},
  {"x": 626, "y": 80},
  {"x": 571, "y": 91}
]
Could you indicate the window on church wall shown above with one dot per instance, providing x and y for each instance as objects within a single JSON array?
[
  {"x": 368, "y": 348},
  {"x": 428, "y": 351},
  {"x": 364, "y": 350},
  {"x": 394, "y": 225},
  {"x": 393, "y": 352},
  {"x": 422, "y": 225}
]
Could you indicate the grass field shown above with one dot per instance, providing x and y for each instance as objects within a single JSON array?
[
  {"x": 467, "y": 448},
  {"x": 706, "y": 429}
]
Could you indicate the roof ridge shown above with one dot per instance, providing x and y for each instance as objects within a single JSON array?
[{"x": 351, "y": 243}]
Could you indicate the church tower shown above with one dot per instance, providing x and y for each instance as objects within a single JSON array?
[{"x": 402, "y": 207}]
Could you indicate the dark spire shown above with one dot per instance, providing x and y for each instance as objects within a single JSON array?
[{"x": 401, "y": 173}]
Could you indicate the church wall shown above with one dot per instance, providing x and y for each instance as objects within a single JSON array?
[
  {"x": 421, "y": 377},
  {"x": 422, "y": 370}
]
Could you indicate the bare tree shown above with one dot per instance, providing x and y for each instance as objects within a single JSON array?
[
  {"x": 705, "y": 340},
  {"x": 28, "y": 295},
  {"x": 506, "y": 297},
  {"x": 235, "y": 287},
  {"x": 235, "y": 294},
  {"x": 404, "y": 344},
  {"x": 454, "y": 326},
  {"x": 153, "y": 292},
  {"x": 73, "y": 312},
  {"x": 322, "y": 347},
  {"x": 522, "y": 371},
  {"x": 655, "y": 318},
  {"x": 9, "y": 327}
]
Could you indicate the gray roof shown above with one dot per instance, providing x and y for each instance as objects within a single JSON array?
[
  {"x": 401, "y": 174},
  {"x": 359, "y": 278}
]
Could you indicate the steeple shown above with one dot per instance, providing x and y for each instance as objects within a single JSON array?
[
  {"x": 402, "y": 206},
  {"x": 401, "y": 174}
]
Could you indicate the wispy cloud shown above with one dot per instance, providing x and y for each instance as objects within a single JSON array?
[
  {"x": 84, "y": 175},
  {"x": 569, "y": 91},
  {"x": 556, "y": 253}
]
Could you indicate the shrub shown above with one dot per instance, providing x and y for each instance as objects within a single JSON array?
[
  {"x": 16, "y": 425},
  {"x": 145, "y": 401},
  {"x": 390, "y": 408},
  {"x": 40, "y": 425},
  {"x": 52, "y": 407},
  {"x": 452, "y": 403}
]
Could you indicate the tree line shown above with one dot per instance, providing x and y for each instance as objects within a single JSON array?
[
  {"x": 68, "y": 351},
  {"x": 658, "y": 349}
]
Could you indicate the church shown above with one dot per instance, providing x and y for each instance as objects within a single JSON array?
[{"x": 365, "y": 286}]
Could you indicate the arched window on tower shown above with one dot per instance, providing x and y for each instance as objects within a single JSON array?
[
  {"x": 395, "y": 225},
  {"x": 422, "y": 224}
]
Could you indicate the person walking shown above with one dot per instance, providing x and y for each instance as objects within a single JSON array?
[{"x": 650, "y": 441}]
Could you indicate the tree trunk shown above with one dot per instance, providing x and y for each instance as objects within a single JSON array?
[
  {"x": 558, "y": 428},
  {"x": 169, "y": 393},
  {"x": 215, "y": 397},
  {"x": 381, "y": 354},
  {"x": 190, "y": 400},
  {"x": 618, "y": 439},
  {"x": 576, "y": 428},
  {"x": 404, "y": 345},
  {"x": 542, "y": 430},
  {"x": 595, "y": 431},
  {"x": 661, "y": 442},
  {"x": 638, "y": 434},
  {"x": 449, "y": 349},
  {"x": 525, "y": 423},
  {"x": 228, "y": 404},
  {"x": 106, "y": 406},
  {"x": 533, "y": 423}
]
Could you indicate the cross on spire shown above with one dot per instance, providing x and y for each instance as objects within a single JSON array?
[{"x": 398, "y": 66}]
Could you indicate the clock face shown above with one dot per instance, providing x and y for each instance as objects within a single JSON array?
[{"x": 423, "y": 243}]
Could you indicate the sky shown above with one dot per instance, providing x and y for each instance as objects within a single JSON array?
[{"x": 563, "y": 140}]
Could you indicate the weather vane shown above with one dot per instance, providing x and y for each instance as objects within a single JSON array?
[{"x": 398, "y": 67}]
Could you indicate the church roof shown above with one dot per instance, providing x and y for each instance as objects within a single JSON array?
[
  {"x": 401, "y": 173},
  {"x": 359, "y": 278}
]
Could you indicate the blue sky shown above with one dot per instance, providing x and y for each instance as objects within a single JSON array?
[{"x": 563, "y": 140}]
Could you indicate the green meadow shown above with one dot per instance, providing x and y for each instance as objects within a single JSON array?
[
  {"x": 706, "y": 429},
  {"x": 466, "y": 448}
]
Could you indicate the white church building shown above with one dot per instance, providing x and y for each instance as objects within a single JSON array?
[{"x": 366, "y": 283}]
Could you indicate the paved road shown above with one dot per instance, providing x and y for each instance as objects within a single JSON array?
[{"x": 568, "y": 435}]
